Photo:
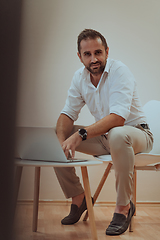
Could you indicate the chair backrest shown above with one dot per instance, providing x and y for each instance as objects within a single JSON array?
[{"x": 152, "y": 112}]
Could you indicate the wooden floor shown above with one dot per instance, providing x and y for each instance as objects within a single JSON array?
[{"x": 146, "y": 223}]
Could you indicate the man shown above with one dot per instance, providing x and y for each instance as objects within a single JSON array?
[{"x": 109, "y": 90}]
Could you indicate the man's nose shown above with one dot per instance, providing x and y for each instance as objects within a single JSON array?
[{"x": 93, "y": 58}]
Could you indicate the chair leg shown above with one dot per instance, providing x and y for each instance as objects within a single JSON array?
[
  {"x": 104, "y": 177},
  {"x": 36, "y": 198},
  {"x": 131, "y": 225},
  {"x": 89, "y": 202},
  {"x": 135, "y": 190}
]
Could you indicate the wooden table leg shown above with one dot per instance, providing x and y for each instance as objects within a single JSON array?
[
  {"x": 104, "y": 177},
  {"x": 18, "y": 175},
  {"x": 36, "y": 198},
  {"x": 89, "y": 202}
]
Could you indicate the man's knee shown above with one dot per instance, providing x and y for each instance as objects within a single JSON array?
[
  {"x": 118, "y": 138},
  {"x": 121, "y": 150}
]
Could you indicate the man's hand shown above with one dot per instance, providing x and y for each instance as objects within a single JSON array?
[
  {"x": 65, "y": 125},
  {"x": 70, "y": 144}
]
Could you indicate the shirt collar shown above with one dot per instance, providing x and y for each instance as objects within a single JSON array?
[{"x": 107, "y": 65}]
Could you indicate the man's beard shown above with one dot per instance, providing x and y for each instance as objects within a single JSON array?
[{"x": 97, "y": 70}]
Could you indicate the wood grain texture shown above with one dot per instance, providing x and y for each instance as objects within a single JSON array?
[{"x": 146, "y": 223}]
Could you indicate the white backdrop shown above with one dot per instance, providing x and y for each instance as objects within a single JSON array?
[{"x": 48, "y": 60}]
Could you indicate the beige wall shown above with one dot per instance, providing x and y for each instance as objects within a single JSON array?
[{"x": 49, "y": 60}]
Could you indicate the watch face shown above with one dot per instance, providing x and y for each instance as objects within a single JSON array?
[{"x": 82, "y": 131}]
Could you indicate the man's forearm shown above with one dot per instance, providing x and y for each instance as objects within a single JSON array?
[
  {"x": 104, "y": 125},
  {"x": 64, "y": 127}
]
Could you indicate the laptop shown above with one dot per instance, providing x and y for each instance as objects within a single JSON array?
[{"x": 40, "y": 143}]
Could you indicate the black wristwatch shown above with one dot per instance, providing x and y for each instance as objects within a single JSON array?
[{"x": 83, "y": 133}]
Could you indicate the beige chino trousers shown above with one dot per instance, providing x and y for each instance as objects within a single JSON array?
[{"x": 122, "y": 143}]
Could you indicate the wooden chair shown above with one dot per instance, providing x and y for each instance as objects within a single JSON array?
[
  {"x": 37, "y": 165},
  {"x": 143, "y": 161}
]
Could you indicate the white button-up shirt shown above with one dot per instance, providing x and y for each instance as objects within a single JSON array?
[{"x": 116, "y": 93}]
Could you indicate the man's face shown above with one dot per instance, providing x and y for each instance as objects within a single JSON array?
[{"x": 93, "y": 55}]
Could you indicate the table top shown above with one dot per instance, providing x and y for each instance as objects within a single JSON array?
[{"x": 37, "y": 163}]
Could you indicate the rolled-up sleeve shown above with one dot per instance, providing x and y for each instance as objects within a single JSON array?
[
  {"x": 121, "y": 92},
  {"x": 74, "y": 101}
]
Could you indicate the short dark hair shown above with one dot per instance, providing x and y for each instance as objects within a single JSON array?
[{"x": 90, "y": 34}]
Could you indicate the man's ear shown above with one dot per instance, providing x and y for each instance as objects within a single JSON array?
[
  {"x": 79, "y": 55},
  {"x": 107, "y": 51}
]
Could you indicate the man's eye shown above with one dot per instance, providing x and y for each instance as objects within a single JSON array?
[
  {"x": 87, "y": 54},
  {"x": 98, "y": 52}
]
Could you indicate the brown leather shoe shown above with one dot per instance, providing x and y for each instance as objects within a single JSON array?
[
  {"x": 75, "y": 213},
  {"x": 120, "y": 222}
]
